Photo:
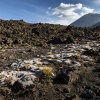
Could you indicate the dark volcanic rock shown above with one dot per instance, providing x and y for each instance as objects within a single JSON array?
[
  {"x": 58, "y": 40},
  {"x": 91, "y": 53},
  {"x": 98, "y": 60},
  {"x": 14, "y": 32},
  {"x": 17, "y": 86},
  {"x": 89, "y": 94},
  {"x": 66, "y": 75}
]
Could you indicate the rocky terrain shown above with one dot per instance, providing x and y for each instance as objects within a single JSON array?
[{"x": 48, "y": 62}]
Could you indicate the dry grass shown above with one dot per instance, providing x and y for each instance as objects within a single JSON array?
[
  {"x": 8, "y": 80},
  {"x": 49, "y": 53},
  {"x": 77, "y": 55},
  {"x": 28, "y": 66},
  {"x": 76, "y": 98},
  {"x": 47, "y": 71}
]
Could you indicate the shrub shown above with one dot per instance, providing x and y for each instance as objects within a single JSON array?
[
  {"x": 77, "y": 56},
  {"x": 76, "y": 98},
  {"x": 46, "y": 76},
  {"x": 28, "y": 66},
  {"x": 47, "y": 71},
  {"x": 49, "y": 53},
  {"x": 8, "y": 81}
]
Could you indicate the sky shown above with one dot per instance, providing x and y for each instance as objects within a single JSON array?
[{"x": 61, "y": 12}]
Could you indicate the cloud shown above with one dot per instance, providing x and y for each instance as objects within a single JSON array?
[
  {"x": 59, "y": 21},
  {"x": 27, "y": 12},
  {"x": 86, "y": 10},
  {"x": 69, "y": 12},
  {"x": 66, "y": 10}
]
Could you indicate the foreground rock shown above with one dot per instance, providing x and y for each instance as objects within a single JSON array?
[{"x": 66, "y": 63}]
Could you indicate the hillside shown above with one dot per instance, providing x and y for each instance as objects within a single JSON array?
[
  {"x": 14, "y": 32},
  {"x": 95, "y": 25},
  {"x": 20, "y": 32},
  {"x": 87, "y": 20}
]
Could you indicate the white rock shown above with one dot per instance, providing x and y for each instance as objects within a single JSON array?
[
  {"x": 86, "y": 58},
  {"x": 59, "y": 61},
  {"x": 57, "y": 55},
  {"x": 17, "y": 75},
  {"x": 68, "y": 55},
  {"x": 28, "y": 61},
  {"x": 37, "y": 61},
  {"x": 50, "y": 56},
  {"x": 86, "y": 47},
  {"x": 77, "y": 64},
  {"x": 67, "y": 61}
]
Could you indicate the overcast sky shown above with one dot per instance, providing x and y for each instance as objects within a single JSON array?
[{"x": 47, "y": 11}]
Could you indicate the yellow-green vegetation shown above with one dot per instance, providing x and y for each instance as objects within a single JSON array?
[
  {"x": 49, "y": 53},
  {"x": 76, "y": 98},
  {"x": 28, "y": 66},
  {"x": 77, "y": 55},
  {"x": 47, "y": 75},
  {"x": 47, "y": 71}
]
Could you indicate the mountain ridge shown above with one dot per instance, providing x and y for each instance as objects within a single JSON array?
[
  {"x": 95, "y": 25},
  {"x": 87, "y": 20}
]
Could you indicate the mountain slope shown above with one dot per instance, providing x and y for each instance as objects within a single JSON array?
[
  {"x": 97, "y": 24},
  {"x": 87, "y": 20}
]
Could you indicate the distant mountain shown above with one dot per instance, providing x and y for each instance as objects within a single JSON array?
[
  {"x": 87, "y": 20},
  {"x": 95, "y": 25}
]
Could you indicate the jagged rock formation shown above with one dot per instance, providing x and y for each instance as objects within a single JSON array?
[{"x": 21, "y": 33}]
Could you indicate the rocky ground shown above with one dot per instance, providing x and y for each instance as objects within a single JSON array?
[
  {"x": 75, "y": 73},
  {"x": 56, "y": 67}
]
